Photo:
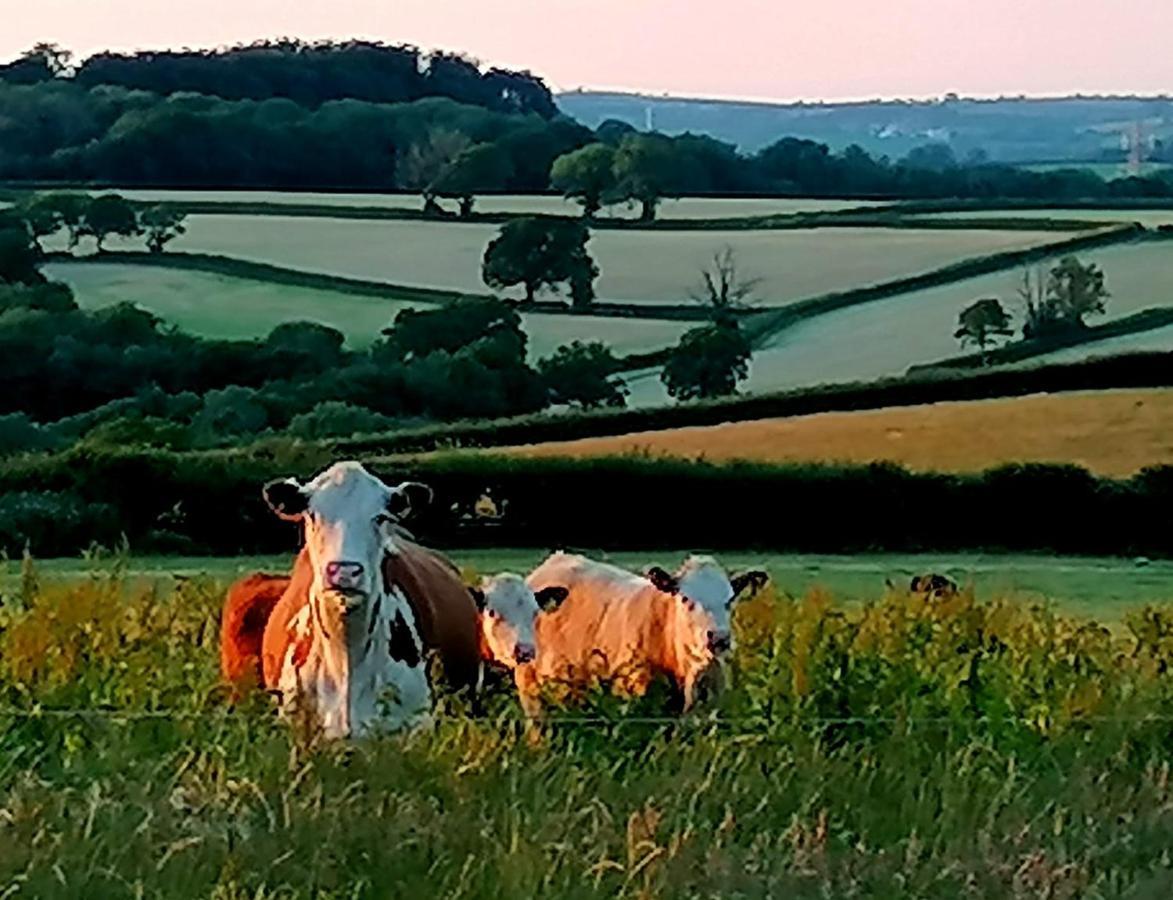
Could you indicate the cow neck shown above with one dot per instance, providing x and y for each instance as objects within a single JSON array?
[{"x": 661, "y": 639}]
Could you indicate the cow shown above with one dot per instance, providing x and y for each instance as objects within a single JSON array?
[
  {"x": 933, "y": 585},
  {"x": 509, "y": 609},
  {"x": 628, "y": 628},
  {"x": 342, "y": 645},
  {"x": 247, "y": 608}
]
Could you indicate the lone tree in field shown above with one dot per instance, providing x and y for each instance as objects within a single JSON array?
[
  {"x": 480, "y": 168},
  {"x": 722, "y": 291},
  {"x": 709, "y": 361},
  {"x": 1059, "y": 303},
  {"x": 980, "y": 323},
  {"x": 541, "y": 252},
  {"x": 582, "y": 375},
  {"x": 162, "y": 224},
  {"x": 647, "y": 169},
  {"x": 586, "y": 175},
  {"x": 107, "y": 215},
  {"x": 46, "y": 214},
  {"x": 426, "y": 161}
]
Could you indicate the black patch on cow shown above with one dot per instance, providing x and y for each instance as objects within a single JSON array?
[{"x": 402, "y": 645}]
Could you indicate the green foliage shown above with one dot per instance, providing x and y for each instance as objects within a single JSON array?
[
  {"x": 335, "y": 419},
  {"x": 900, "y": 749},
  {"x": 646, "y": 170},
  {"x": 18, "y": 257},
  {"x": 1071, "y": 292},
  {"x": 109, "y": 214},
  {"x": 541, "y": 252},
  {"x": 475, "y": 170},
  {"x": 586, "y": 175},
  {"x": 981, "y": 322},
  {"x": 708, "y": 362},
  {"x": 162, "y": 224},
  {"x": 418, "y": 332},
  {"x": 582, "y": 375},
  {"x": 20, "y": 434}
]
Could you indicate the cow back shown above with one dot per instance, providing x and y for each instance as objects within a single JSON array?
[
  {"x": 445, "y": 613},
  {"x": 247, "y": 608}
]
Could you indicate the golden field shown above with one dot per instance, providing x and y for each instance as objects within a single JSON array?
[{"x": 1113, "y": 433}]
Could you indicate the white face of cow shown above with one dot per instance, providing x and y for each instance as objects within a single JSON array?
[
  {"x": 706, "y": 596},
  {"x": 348, "y": 515},
  {"x": 509, "y": 611}
]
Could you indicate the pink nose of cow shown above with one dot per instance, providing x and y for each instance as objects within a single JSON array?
[
  {"x": 524, "y": 653},
  {"x": 719, "y": 643},
  {"x": 344, "y": 576}
]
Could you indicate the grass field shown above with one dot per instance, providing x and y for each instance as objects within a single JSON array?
[
  {"x": 682, "y": 208},
  {"x": 1150, "y": 218},
  {"x": 1158, "y": 339},
  {"x": 636, "y": 266},
  {"x": 218, "y": 306},
  {"x": 1103, "y": 588},
  {"x": 897, "y": 749},
  {"x": 1108, "y": 432}
]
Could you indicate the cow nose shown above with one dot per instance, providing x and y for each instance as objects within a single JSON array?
[
  {"x": 344, "y": 575},
  {"x": 524, "y": 653},
  {"x": 719, "y": 643}
]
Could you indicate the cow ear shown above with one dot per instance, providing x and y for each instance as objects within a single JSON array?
[
  {"x": 549, "y": 597},
  {"x": 478, "y": 597},
  {"x": 409, "y": 497},
  {"x": 663, "y": 580},
  {"x": 753, "y": 580},
  {"x": 286, "y": 498}
]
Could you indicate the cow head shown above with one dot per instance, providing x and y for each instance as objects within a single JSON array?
[
  {"x": 706, "y": 596},
  {"x": 509, "y": 609}
]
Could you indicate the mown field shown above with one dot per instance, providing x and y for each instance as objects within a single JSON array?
[
  {"x": 977, "y": 748},
  {"x": 1108, "y": 432},
  {"x": 219, "y": 306},
  {"x": 1150, "y": 218},
  {"x": 1157, "y": 339},
  {"x": 654, "y": 267}
]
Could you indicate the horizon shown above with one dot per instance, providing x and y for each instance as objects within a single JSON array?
[{"x": 906, "y": 52}]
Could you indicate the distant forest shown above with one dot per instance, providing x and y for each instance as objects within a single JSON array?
[{"x": 365, "y": 116}]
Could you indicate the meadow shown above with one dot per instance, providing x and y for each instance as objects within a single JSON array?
[
  {"x": 643, "y": 266},
  {"x": 1158, "y": 339},
  {"x": 1150, "y": 218},
  {"x": 896, "y": 748},
  {"x": 219, "y": 306},
  {"x": 965, "y": 436}
]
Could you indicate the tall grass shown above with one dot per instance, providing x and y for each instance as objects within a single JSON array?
[{"x": 901, "y": 749}]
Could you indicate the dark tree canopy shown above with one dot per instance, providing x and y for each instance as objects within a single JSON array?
[
  {"x": 582, "y": 375},
  {"x": 709, "y": 361},
  {"x": 538, "y": 253},
  {"x": 982, "y": 322}
]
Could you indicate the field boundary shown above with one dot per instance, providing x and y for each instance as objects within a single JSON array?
[{"x": 1020, "y": 351}]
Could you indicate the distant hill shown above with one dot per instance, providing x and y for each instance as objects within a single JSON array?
[{"x": 1007, "y": 130}]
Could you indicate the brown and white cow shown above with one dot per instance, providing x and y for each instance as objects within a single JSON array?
[
  {"x": 509, "y": 610},
  {"x": 342, "y": 645},
  {"x": 626, "y": 628}
]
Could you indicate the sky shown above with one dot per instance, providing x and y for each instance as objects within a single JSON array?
[{"x": 757, "y": 49}]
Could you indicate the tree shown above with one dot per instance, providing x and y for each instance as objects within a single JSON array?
[
  {"x": 19, "y": 257},
  {"x": 709, "y": 361},
  {"x": 722, "y": 290},
  {"x": 540, "y": 252},
  {"x": 162, "y": 224},
  {"x": 647, "y": 169},
  {"x": 416, "y": 333},
  {"x": 586, "y": 175},
  {"x": 477, "y": 169},
  {"x": 333, "y": 418},
  {"x": 1077, "y": 290},
  {"x": 427, "y": 160},
  {"x": 107, "y": 215},
  {"x": 581, "y": 375},
  {"x": 47, "y": 213},
  {"x": 981, "y": 322}
]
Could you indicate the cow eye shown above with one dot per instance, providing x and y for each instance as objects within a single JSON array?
[{"x": 492, "y": 613}]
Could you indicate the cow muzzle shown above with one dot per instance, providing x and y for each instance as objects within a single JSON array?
[
  {"x": 719, "y": 643},
  {"x": 346, "y": 579},
  {"x": 524, "y": 653}
]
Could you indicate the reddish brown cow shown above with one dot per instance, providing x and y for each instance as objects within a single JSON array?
[{"x": 255, "y": 624}]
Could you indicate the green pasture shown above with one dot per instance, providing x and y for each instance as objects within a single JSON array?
[
  {"x": 1096, "y": 587},
  {"x": 642, "y": 266},
  {"x": 1155, "y": 340},
  {"x": 1150, "y": 218}
]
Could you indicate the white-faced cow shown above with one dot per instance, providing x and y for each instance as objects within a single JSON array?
[
  {"x": 342, "y": 645},
  {"x": 628, "y": 629},
  {"x": 509, "y": 611}
]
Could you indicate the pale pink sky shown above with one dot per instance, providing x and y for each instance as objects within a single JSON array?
[{"x": 782, "y": 49}]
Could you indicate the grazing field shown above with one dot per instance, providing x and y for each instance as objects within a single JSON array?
[
  {"x": 1107, "y": 432},
  {"x": 1158, "y": 339},
  {"x": 219, "y": 306},
  {"x": 682, "y": 208},
  {"x": 971, "y": 748},
  {"x": 654, "y": 267},
  {"x": 1104, "y": 588}
]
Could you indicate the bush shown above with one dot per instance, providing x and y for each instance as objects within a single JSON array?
[{"x": 337, "y": 419}]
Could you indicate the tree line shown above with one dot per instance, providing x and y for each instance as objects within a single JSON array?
[{"x": 370, "y": 117}]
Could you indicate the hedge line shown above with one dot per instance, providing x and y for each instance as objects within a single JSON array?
[
  {"x": 1137, "y": 323},
  {"x": 1125, "y": 371},
  {"x": 211, "y": 503}
]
